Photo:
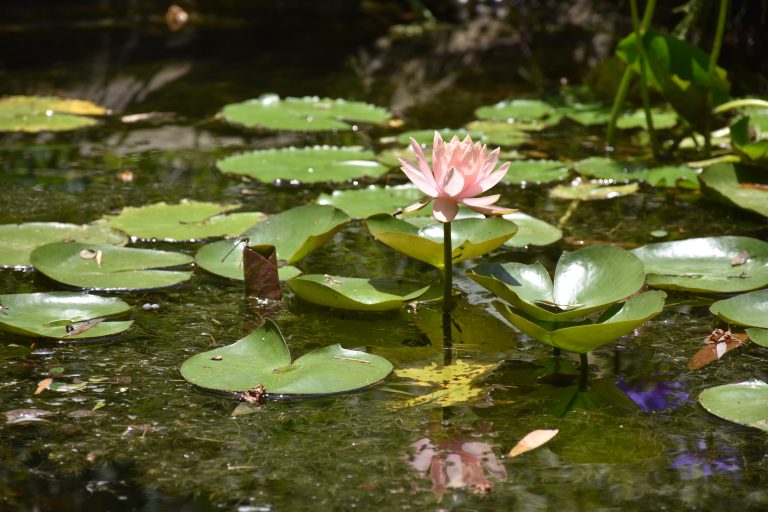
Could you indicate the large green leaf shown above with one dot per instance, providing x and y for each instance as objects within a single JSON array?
[
  {"x": 51, "y": 314},
  {"x": 583, "y": 337},
  {"x": 501, "y": 133},
  {"x": 186, "y": 221},
  {"x": 520, "y": 110},
  {"x": 262, "y": 359},
  {"x": 532, "y": 231},
  {"x": 17, "y": 241},
  {"x": 593, "y": 191},
  {"x": 302, "y": 114},
  {"x": 304, "y": 165},
  {"x": 680, "y": 72},
  {"x": 586, "y": 280},
  {"x": 706, "y": 264},
  {"x": 46, "y": 113},
  {"x": 470, "y": 237},
  {"x": 608, "y": 169},
  {"x": 745, "y": 403},
  {"x": 355, "y": 293},
  {"x": 362, "y": 203},
  {"x": 523, "y": 172},
  {"x": 750, "y": 309},
  {"x": 738, "y": 185},
  {"x": 108, "y": 268}
]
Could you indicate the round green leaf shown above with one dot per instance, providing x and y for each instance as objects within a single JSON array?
[
  {"x": 186, "y": 221},
  {"x": 305, "y": 165},
  {"x": 425, "y": 137},
  {"x": 49, "y": 314},
  {"x": 302, "y": 114},
  {"x": 583, "y": 337},
  {"x": 225, "y": 259},
  {"x": 592, "y": 191},
  {"x": 745, "y": 403},
  {"x": 502, "y": 133},
  {"x": 586, "y": 280},
  {"x": 362, "y": 203},
  {"x": 532, "y": 231},
  {"x": 470, "y": 237},
  {"x": 523, "y": 172},
  {"x": 41, "y": 113},
  {"x": 662, "y": 119},
  {"x": 116, "y": 269},
  {"x": 262, "y": 359},
  {"x": 608, "y": 169},
  {"x": 587, "y": 114},
  {"x": 738, "y": 185},
  {"x": 19, "y": 240},
  {"x": 709, "y": 265},
  {"x": 750, "y": 309},
  {"x": 516, "y": 110},
  {"x": 355, "y": 293},
  {"x": 758, "y": 335}
]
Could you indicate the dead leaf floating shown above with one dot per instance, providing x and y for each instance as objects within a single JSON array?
[{"x": 532, "y": 441}]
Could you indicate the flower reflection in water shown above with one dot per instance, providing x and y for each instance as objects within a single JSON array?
[
  {"x": 704, "y": 457},
  {"x": 456, "y": 464},
  {"x": 654, "y": 395}
]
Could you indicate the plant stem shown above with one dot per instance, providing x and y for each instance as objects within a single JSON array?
[
  {"x": 713, "y": 56},
  {"x": 584, "y": 377},
  {"x": 556, "y": 352},
  {"x": 447, "y": 267},
  {"x": 644, "y": 79}
]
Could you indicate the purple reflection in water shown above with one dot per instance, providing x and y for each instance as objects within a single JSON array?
[
  {"x": 702, "y": 458},
  {"x": 654, "y": 395}
]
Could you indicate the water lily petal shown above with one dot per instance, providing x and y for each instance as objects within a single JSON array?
[
  {"x": 481, "y": 201},
  {"x": 453, "y": 183},
  {"x": 424, "y": 183},
  {"x": 439, "y": 161},
  {"x": 492, "y": 210},
  {"x": 490, "y": 180},
  {"x": 422, "y": 162},
  {"x": 445, "y": 209},
  {"x": 418, "y": 205}
]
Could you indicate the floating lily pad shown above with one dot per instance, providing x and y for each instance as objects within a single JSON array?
[
  {"x": 520, "y": 110},
  {"x": 19, "y": 240},
  {"x": 745, "y": 403},
  {"x": 262, "y": 359},
  {"x": 362, "y": 203},
  {"x": 738, "y": 185},
  {"x": 302, "y": 114},
  {"x": 587, "y": 114},
  {"x": 294, "y": 233},
  {"x": 305, "y": 165},
  {"x": 502, "y": 133},
  {"x": 61, "y": 314},
  {"x": 355, "y": 293},
  {"x": 748, "y": 309},
  {"x": 584, "y": 337},
  {"x": 586, "y": 280},
  {"x": 186, "y": 221},
  {"x": 592, "y": 191},
  {"x": 536, "y": 171},
  {"x": 46, "y": 113},
  {"x": 707, "y": 265},
  {"x": 749, "y": 137},
  {"x": 108, "y": 268},
  {"x": 425, "y": 137},
  {"x": 470, "y": 237},
  {"x": 608, "y": 169},
  {"x": 662, "y": 119},
  {"x": 532, "y": 231}
]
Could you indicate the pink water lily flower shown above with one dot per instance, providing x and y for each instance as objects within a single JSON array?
[{"x": 461, "y": 170}]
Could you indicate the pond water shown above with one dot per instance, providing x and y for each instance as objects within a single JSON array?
[{"x": 137, "y": 436}]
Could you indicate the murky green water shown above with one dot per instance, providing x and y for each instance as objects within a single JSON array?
[{"x": 138, "y": 437}]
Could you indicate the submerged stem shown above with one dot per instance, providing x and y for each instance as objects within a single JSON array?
[
  {"x": 584, "y": 377},
  {"x": 447, "y": 267}
]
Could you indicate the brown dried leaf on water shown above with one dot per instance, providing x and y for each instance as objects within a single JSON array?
[
  {"x": 260, "y": 272},
  {"x": 740, "y": 259},
  {"x": 718, "y": 344},
  {"x": 43, "y": 385},
  {"x": 532, "y": 441},
  {"x": 25, "y": 415}
]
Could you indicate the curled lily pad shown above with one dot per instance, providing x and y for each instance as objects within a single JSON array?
[
  {"x": 302, "y": 114},
  {"x": 262, "y": 359},
  {"x": 62, "y": 315},
  {"x": 592, "y": 191},
  {"x": 738, "y": 185},
  {"x": 108, "y": 268},
  {"x": 186, "y": 221},
  {"x": 581, "y": 337},
  {"x": 708, "y": 265},
  {"x": 748, "y": 309},
  {"x": 532, "y": 231},
  {"x": 304, "y": 165},
  {"x": 586, "y": 280},
  {"x": 19, "y": 240},
  {"x": 362, "y": 203},
  {"x": 46, "y": 113},
  {"x": 745, "y": 403},
  {"x": 355, "y": 293},
  {"x": 536, "y": 171},
  {"x": 470, "y": 237}
]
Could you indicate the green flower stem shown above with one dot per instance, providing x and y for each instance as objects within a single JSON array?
[
  {"x": 644, "y": 79},
  {"x": 716, "y": 45},
  {"x": 447, "y": 267},
  {"x": 740, "y": 103}
]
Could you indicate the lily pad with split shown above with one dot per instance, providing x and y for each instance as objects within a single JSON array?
[
  {"x": 46, "y": 114},
  {"x": 62, "y": 315},
  {"x": 108, "y": 268},
  {"x": 262, "y": 360},
  {"x": 355, "y": 293},
  {"x": 748, "y": 309},
  {"x": 745, "y": 403}
]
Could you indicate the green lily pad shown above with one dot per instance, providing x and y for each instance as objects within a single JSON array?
[
  {"x": 586, "y": 280},
  {"x": 745, "y": 403},
  {"x": 362, "y": 203},
  {"x": 502, "y": 133},
  {"x": 521, "y": 110},
  {"x": 608, "y": 169},
  {"x": 46, "y": 113},
  {"x": 50, "y": 314},
  {"x": 19, "y": 240},
  {"x": 584, "y": 337},
  {"x": 706, "y": 264},
  {"x": 262, "y": 359},
  {"x": 532, "y": 231},
  {"x": 749, "y": 137},
  {"x": 425, "y": 137},
  {"x": 355, "y": 293},
  {"x": 758, "y": 335},
  {"x": 470, "y": 237},
  {"x": 523, "y": 172},
  {"x": 225, "y": 259},
  {"x": 186, "y": 221},
  {"x": 305, "y": 165},
  {"x": 592, "y": 191},
  {"x": 587, "y": 114},
  {"x": 302, "y": 114},
  {"x": 749, "y": 309},
  {"x": 108, "y": 268},
  {"x": 662, "y": 119},
  {"x": 737, "y": 185}
]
